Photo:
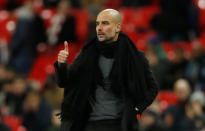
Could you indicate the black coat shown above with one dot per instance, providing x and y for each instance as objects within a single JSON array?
[{"x": 138, "y": 91}]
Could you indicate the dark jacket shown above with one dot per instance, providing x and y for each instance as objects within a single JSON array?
[{"x": 78, "y": 85}]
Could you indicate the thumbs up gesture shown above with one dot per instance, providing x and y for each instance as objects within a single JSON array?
[{"x": 63, "y": 54}]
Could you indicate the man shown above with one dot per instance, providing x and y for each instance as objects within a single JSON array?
[{"x": 108, "y": 83}]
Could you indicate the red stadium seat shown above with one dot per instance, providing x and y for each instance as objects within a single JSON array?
[
  {"x": 167, "y": 98},
  {"x": 138, "y": 17},
  {"x": 202, "y": 19},
  {"x": 14, "y": 122},
  {"x": 43, "y": 65},
  {"x": 202, "y": 39},
  {"x": 2, "y": 4},
  {"x": 8, "y": 23},
  {"x": 155, "y": 2},
  {"x": 82, "y": 19},
  {"x": 169, "y": 50},
  {"x": 114, "y": 4}
]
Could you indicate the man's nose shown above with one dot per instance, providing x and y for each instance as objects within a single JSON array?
[{"x": 99, "y": 27}]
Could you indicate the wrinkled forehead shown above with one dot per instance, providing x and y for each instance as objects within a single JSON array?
[{"x": 105, "y": 16}]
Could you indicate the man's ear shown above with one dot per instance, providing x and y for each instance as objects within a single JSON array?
[{"x": 118, "y": 29}]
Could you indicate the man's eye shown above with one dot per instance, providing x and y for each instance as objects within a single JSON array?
[{"x": 105, "y": 23}]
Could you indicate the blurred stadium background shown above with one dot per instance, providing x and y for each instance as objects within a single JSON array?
[{"x": 170, "y": 32}]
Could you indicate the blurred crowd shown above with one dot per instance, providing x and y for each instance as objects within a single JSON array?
[
  {"x": 171, "y": 34},
  {"x": 23, "y": 104}
]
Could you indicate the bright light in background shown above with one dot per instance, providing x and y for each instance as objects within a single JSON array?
[
  {"x": 201, "y": 4},
  {"x": 3, "y": 15},
  {"x": 46, "y": 14},
  {"x": 10, "y": 26}
]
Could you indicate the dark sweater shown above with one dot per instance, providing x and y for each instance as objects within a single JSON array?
[{"x": 107, "y": 105}]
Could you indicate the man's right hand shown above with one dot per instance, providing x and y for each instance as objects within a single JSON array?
[{"x": 63, "y": 54}]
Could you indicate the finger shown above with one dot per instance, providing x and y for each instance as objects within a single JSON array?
[
  {"x": 66, "y": 46},
  {"x": 63, "y": 56},
  {"x": 63, "y": 52},
  {"x": 62, "y": 60}
]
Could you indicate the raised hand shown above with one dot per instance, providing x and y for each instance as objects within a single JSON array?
[{"x": 63, "y": 54}]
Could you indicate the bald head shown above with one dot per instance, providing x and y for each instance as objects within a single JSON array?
[
  {"x": 113, "y": 14},
  {"x": 108, "y": 25},
  {"x": 182, "y": 89}
]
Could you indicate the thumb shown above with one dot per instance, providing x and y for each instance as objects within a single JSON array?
[{"x": 66, "y": 46}]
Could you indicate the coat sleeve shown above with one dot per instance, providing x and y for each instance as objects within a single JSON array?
[
  {"x": 61, "y": 74},
  {"x": 152, "y": 87},
  {"x": 65, "y": 74}
]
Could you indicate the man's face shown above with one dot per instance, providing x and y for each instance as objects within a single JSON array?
[{"x": 106, "y": 27}]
